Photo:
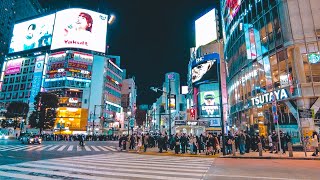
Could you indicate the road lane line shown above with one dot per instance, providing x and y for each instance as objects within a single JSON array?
[
  {"x": 41, "y": 149},
  {"x": 79, "y": 148},
  {"x": 87, "y": 148},
  {"x": 110, "y": 148},
  {"x": 52, "y": 148},
  {"x": 94, "y": 148},
  {"x": 70, "y": 148},
  {"x": 104, "y": 149},
  {"x": 22, "y": 176},
  {"x": 61, "y": 148},
  {"x": 30, "y": 148},
  {"x": 248, "y": 177}
]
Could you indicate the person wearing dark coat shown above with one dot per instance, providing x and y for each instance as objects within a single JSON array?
[
  {"x": 184, "y": 142},
  {"x": 160, "y": 143},
  {"x": 177, "y": 144},
  {"x": 248, "y": 143}
]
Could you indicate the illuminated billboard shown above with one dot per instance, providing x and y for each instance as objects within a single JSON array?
[
  {"x": 13, "y": 66},
  {"x": 32, "y": 34},
  {"x": 205, "y": 69},
  {"x": 206, "y": 28},
  {"x": 209, "y": 100},
  {"x": 172, "y": 102},
  {"x": 232, "y": 8},
  {"x": 80, "y": 28}
]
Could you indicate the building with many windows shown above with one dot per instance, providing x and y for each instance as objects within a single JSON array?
[{"x": 272, "y": 52}]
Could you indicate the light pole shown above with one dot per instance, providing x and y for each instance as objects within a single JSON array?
[{"x": 168, "y": 98}]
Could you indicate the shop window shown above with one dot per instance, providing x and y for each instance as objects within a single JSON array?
[
  {"x": 2, "y": 96},
  {"x": 29, "y": 86},
  {"x": 27, "y": 95},
  {"x": 21, "y": 94},
  {"x": 275, "y": 71},
  {"x": 4, "y": 88},
  {"x": 5, "y": 81},
  {"x": 8, "y": 96},
  {"x": 24, "y": 78},
  {"x": 12, "y": 80}
]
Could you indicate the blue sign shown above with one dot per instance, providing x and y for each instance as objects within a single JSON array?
[
  {"x": 207, "y": 57},
  {"x": 37, "y": 80}
]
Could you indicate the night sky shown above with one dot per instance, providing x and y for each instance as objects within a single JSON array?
[{"x": 151, "y": 36}]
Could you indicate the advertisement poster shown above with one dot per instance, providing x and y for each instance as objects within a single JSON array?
[
  {"x": 204, "y": 71},
  {"x": 293, "y": 131},
  {"x": 232, "y": 8},
  {"x": 206, "y": 28},
  {"x": 32, "y": 34},
  {"x": 215, "y": 122},
  {"x": 80, "y": 28},
  {"x": 172, "y": 102},
  {"x": 13, "y": 66},
  {"x": 209, "y": 104}
]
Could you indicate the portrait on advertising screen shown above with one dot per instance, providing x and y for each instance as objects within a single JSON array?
[
  {"x": 204, "y": 71},
  {"x": 210, "y": 104},
  {"x": 80, "y": 28},
  {"x": 32, "y": 34}
]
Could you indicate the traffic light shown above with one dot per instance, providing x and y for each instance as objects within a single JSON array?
[{"x": 192, "y": 113}]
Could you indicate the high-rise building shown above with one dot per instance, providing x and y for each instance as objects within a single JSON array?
[
  {"x": 128, "y": 101},
  {"x": 272, "y": 52}
]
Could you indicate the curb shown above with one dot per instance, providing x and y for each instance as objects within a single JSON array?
[
  {"x": 172, "y": 154},
  {"x": 268, "y": 157}
]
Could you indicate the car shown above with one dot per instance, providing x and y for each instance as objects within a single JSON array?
[
  {"x": 35, "y": 139},
  {"x": 2, "y": 136},
  {"x": 24, "y": 137}
]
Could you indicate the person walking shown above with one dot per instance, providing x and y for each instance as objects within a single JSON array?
[
  {"x": 139, "y": 143},
  {"x": 284, "y": 142},
  {"x": 314, "y": 143},
  {"x": 275, "y": 142},
  {"x": 184, "y": 143},
  {"x": 177, "y": 144},
  {"x": 146, "y": 142},
  {"x": 242, "y": 143}
]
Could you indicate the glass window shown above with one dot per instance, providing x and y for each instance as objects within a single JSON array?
[
  {"x": 307, "y": 69},
  {"x": 275, "y": 71}
]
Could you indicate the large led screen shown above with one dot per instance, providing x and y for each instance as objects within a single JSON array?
[
  {"x": 206, "y": 28},
  {"x": 209, "y": 99},
  {"x": 205, "y": 69},
  {"x": 80, "y": 28},
  {"x": 32, "y": 34},
  {"x": 232, "y": 8}
]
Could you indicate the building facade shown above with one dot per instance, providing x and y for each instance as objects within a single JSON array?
[
  {"x": 129, "y": 103},
  {"x": 271, "y": 48}
]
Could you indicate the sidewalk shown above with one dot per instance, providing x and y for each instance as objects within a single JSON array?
[
  {"x": 297, "y": 155},
  {"x": 155, "y": 151}
]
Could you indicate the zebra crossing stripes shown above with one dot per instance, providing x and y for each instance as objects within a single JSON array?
[
  {"x": 59, "y": 148},
  {"x": 70, "y": 148},
  {"x": 119, "y": 166}
]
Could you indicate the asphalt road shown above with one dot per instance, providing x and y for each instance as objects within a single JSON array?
[
  {"x": 46, "y": 164},
  {"x": 9, "y": 156}
]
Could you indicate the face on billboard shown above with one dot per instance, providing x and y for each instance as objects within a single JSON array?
[
  {"x": 32, "y": 34},
  {"x": 80, "y": 28},
  {"x": 210, "y": 103},
  {"x": 202, "y": 71},
  {"x": 206, "y": 29}
]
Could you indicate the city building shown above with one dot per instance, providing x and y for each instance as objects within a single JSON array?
[
  {"x": 169, "y": 107},
  {"x": 272, "y": 53},
  {"x": 206, "y": 93},
  {"x": 52, "y": 53},
  {"x": 128, "y": 102}
]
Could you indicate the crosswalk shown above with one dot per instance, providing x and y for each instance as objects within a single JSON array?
[
  {"x": 64, "y": 148},
  {"x": 110, "y": 166}
]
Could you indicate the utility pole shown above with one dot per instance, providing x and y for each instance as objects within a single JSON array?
[{"x": 169, "y": 95}]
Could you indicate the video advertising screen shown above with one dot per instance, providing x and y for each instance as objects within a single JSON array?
[
  {"x": 80, "y": 28},
  {"x": 205, "y": 71},
  {"x": 232, "y": 8},
  {"x": 32, "y": 34},
  {"x": 209, "y": 100},
  {"x": 13, "y": 66}
]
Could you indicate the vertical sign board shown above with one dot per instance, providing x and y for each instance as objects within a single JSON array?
[{"x": 37, "y": 79}]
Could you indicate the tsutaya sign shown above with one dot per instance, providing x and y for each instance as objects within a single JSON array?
[{"x": 267, "y": 97}]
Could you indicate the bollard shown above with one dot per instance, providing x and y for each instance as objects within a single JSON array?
[
  {"x": 233, "y": 148},
  {"x": 260, "y": 149},
  {"x": 290, "y": 149}
]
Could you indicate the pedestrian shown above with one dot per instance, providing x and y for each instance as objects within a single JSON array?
[
  {"x": 177, "y": 144},
  {"x": 184, "y": 143},
  {"x": 283, "y": 140},
  {"x": 165, "y": 142},
  {"x": 242, "y": 143},
  {"x": 139, "y": 144},
  {"x": 314, "y": 143},
  {"x": 160, "y": 143},
  {"x": 275, "y": 142},
  {"x": 146, "y": 142},
  {"x": 248, "y": 142}
]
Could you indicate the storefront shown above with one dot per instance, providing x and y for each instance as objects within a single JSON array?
[
  {"x": 69, "y": 120},
  {"x": 266, "y": 58}
]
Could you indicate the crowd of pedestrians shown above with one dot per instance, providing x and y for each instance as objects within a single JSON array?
[
  {"x": 210, "y": 143},
  {"x": 75, "y": 137}
]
